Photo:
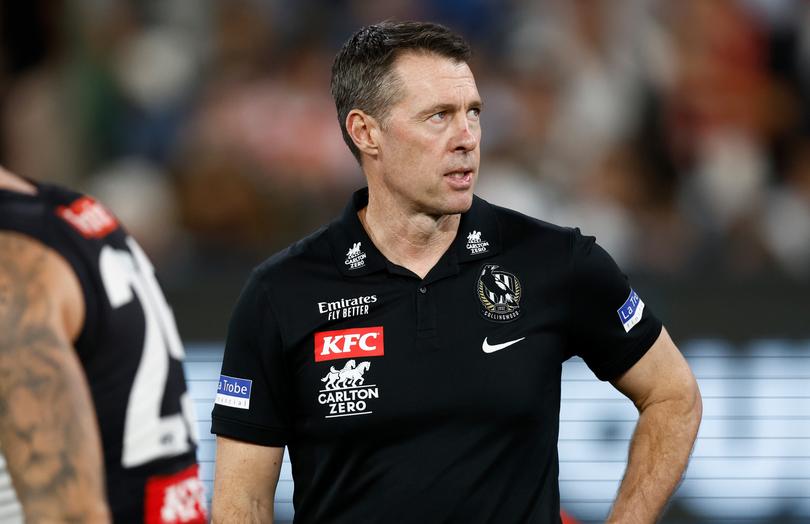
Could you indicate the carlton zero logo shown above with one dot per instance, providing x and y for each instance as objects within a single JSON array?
[
  {"x": 499, "y": 293},
  {"x": 349, "y": 343},
  {"x": 345, "y": 389},
  {"x": 476, "y": 244},
  {"x": 346, "y": 393},
  {"x": 355, "y": 257}
]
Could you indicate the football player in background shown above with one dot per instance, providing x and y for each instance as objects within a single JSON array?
[{"x": 96, "y": 424}]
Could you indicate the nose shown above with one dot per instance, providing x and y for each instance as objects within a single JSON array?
[{"x": 467, "y": 136}]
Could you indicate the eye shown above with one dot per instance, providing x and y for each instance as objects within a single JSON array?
[
  {"x": 439, "y": 117},
  {"x": 474, "y": 113}
]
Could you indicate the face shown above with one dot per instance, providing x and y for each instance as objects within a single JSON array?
[{"x": 429, "y": 146}]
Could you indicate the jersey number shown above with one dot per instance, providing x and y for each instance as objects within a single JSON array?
[{"x": 147, "y": 435}]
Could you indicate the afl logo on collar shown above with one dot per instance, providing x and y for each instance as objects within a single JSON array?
[{"x": 499, "y": 292}]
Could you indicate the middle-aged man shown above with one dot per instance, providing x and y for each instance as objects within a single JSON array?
[{"x": 409, "y": 354}]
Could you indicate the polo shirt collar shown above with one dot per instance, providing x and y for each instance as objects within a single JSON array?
[{"x": 355, "y": 254}]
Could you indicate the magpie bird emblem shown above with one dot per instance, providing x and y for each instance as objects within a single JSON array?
[{"x": 499, "y": 292}]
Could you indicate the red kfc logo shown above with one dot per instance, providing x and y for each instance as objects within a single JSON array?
[
  {"x": 349, "y": 343},
  {"x": 89, "y": 217},
  {"x": 178, "y": 498}
]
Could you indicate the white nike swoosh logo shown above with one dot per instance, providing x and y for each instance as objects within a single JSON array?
[{"x": 492, "y": 348}]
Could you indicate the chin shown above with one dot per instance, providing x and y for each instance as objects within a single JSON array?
[{"x": 459, "y": 203}]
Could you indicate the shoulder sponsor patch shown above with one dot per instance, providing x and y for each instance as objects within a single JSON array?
[
  {"x": 233, "y": 392},
  {"x": 89, "y": 217},
  {"x": 631, "y": 311}
]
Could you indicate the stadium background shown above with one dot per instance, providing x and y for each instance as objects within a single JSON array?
[{"x": 676, "y": 132}]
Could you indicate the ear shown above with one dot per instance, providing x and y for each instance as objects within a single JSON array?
[{"x": 364, "y": 130}]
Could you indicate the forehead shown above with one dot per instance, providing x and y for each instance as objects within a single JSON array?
[{"x": 427, "y": 76}]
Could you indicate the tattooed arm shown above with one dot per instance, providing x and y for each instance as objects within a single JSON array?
[{"x": 48, "y": 430}]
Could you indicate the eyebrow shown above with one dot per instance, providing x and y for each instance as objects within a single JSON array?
[{"x": 438, "y": 108}]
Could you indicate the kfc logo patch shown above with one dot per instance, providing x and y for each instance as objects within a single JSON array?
[
  {"x": 89, "y": 217},
  {"x": 349, "y": 343}
]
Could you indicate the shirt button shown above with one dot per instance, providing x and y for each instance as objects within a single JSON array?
[{"x": 423, "y": 290}]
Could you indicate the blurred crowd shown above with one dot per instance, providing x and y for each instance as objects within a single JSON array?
[{"x": 677, "y": 132}]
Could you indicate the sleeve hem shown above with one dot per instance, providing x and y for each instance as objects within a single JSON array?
[
  {"x": 628, "y": 360},
  {"x": 263, "y": 436}
]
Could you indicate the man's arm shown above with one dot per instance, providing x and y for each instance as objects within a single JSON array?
[
  {"x": 245, "y": 481},
  {"x": 662, "y": 387},
  {"x": 48, "y": 430}
]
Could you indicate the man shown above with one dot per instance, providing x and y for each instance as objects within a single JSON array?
[
  {"x": 409, "y": 354},
  {"x": 95, "y": 420}
]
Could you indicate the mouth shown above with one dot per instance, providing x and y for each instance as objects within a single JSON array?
[{"x": 460, "y": 178}]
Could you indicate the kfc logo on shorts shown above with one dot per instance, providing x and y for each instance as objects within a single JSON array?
[
  {"x": 177, "y": 498},
  {"x": 349, "y": 343}
]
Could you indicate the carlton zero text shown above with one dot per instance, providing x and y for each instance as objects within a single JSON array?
[{"x": 351, "y": 401}]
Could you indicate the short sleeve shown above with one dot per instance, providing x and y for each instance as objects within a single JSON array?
[
  {"x": 611, "y": 327},
  {"x": 252, "y": 399}
]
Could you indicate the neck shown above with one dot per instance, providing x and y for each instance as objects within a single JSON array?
[
  {"x": 12, "y": 182},
  {"x": 406, "y": 237}
]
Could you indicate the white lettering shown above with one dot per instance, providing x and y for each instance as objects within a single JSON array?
[
  {"x": 350, "y": 341},
  {"x": 330, "y": 345},
  {"x": 364, "y": 342},
  {"x": 344, "y": 303}
]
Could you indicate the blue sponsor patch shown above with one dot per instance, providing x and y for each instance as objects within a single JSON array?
[
  {"x": 631, "y": 311},
  {"x": 233, "y": 392}
]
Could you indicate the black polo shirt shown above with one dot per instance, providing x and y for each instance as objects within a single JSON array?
[{"x": 429, "y": 400}]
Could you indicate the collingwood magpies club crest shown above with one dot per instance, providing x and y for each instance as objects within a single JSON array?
[{"x": 499, "y": 292}]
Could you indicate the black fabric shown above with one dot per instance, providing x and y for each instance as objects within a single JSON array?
[
  {"x": 379, "y": 384},
  {"x": 111, "y": 345}
]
